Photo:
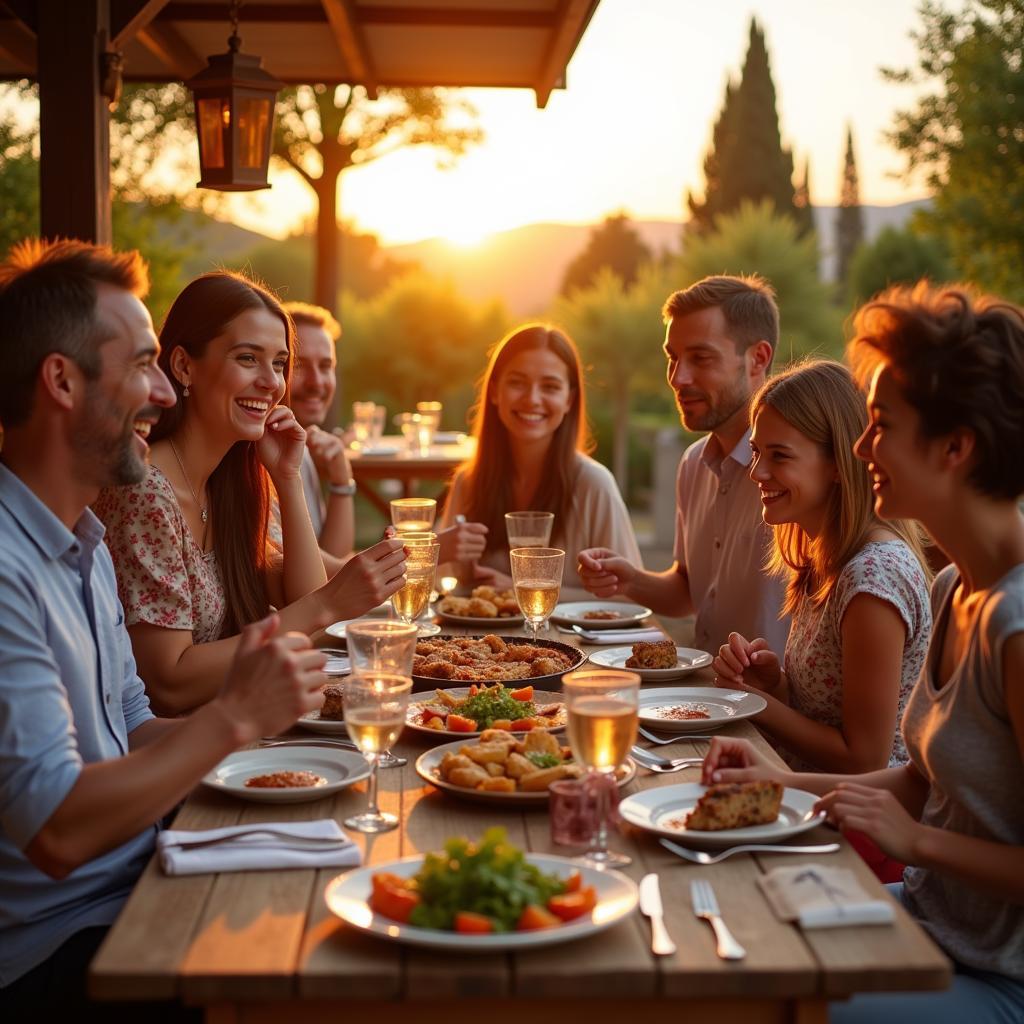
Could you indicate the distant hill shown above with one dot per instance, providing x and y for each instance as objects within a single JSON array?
[{"x": 523, "y": 266}]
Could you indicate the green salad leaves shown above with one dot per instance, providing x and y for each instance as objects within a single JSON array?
[
  {"x": 491, "y": 878},
  {"x": 493, "y": 704}
]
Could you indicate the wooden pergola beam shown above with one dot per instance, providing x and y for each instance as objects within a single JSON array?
[
  {"x": 18, "y": 45},
  {"x": 129, "y": 17},
  {"x": 572, "y": 19},
  {"x": 167, "y": 44},
  {"x": 348, "y": 34}
]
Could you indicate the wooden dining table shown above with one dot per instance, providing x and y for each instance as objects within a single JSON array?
[
  {"x": 390, "y": 459},
  {"x": 262, "y": 946}
]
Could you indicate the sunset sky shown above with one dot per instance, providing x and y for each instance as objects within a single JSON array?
[{"x": 631, "y": 130}]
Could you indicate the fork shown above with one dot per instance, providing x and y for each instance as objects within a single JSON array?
[
  {"x": 319, "y": 842},
  {"x": 705, "y": 906},
  {"x": 387, "y": 759},
  {"x": 663, "y": 765},
  {"x": 697, "y": 857},
  {"x": 647, "y": 734}
]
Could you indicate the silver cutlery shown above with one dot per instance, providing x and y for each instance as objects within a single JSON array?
[
  {"x": 697, "y": 857},
  {"x": 675, "y": 738},
  {"x": 650, "y": 906},
  {"x": 318, "y": 842},
  {"x": 705, "y": 906},
  {"x": 663, "y": 765},
  {"x": 387, "y": 759}
]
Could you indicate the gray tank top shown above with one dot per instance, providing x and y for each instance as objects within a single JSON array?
[{"x": 961, "y": 740}]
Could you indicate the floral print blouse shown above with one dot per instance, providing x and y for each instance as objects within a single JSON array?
[
  {"x": 890, "y": 571},
  {"x": 163, "y": 577}
]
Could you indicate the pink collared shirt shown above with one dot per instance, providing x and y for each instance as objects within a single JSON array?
[{"x": 722, "y": 543}]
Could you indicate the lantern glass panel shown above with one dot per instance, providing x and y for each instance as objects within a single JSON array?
[
  {"x": 253, "y": 131},
  {"x": 211, "y": 131}
]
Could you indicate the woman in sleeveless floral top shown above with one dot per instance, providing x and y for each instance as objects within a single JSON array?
[{"x": 857, "y": 589}]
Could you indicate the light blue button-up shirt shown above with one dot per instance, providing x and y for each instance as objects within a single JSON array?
[{"x": 69, "y": 696}]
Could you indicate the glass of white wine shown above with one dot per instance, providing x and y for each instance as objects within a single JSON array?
[
  {"x": 420, "y": 568},
  {"x": 375, "y": 706},
  {"x": 413, "y": 515},
  {"x": 602, "y": 706},
  {"x": 537, "y": 577},
  {"x": 529, "y": 529}
]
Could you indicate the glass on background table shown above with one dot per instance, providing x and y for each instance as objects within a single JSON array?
[{"x": 603, "y": 705}]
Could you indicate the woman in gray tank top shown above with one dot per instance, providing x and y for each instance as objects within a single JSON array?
[{"x": 944, "y": 372}]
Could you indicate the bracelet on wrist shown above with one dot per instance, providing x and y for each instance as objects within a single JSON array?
[{"x": 343, "y": 490}]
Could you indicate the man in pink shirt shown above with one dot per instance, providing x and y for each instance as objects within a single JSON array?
[{"x": 719, "y": 342}]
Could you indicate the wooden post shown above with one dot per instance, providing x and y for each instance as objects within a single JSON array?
[{"x": 74, "y": 120}]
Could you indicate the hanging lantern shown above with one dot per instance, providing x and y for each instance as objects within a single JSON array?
[{"x": 234, "y": 101}]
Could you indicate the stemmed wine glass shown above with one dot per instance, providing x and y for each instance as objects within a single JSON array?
[
  {"x": 375, "y": 706},
  {"x": 380, "y": 647},
  {"x": 420, "y": 567},
  {"x": 603, "y": 706},
  {"x": 537, "y": 577}
]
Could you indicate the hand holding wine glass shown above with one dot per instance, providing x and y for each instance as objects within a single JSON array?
[{"x": 537, "y": 578}]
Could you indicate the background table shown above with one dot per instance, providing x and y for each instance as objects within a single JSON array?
[
  {"x": 439, "y": 464},
  {"x": 259, "y": 946}
]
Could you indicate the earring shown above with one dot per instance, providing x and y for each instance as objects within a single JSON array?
[{"x": 186, "y": 392}]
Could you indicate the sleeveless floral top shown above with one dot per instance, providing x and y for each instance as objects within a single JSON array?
[
  {"x": 163, "y": 577},
  {"x": 890, "y": 571}
]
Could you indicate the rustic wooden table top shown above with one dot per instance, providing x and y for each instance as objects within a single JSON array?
[{"x": 243, "y": 944}]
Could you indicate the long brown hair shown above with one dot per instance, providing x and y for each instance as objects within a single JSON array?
[
  {"x": 488, "y": 477},
  {"x": 821, "y": 400},
  {"x": 239, "y": 488}
]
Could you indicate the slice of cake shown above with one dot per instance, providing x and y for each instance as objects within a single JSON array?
[
  {"x": 653, "y": 654},
  {"x": 736, "y": 805},
  {"x": 334, "y": 706}
]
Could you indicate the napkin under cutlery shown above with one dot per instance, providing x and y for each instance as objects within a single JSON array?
[
  {"x": 822, "y": 897},
  {"x": 257, "y": 847},
  {"x": 618, "y": 636}
]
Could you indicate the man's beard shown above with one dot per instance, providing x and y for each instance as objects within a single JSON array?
[
  {"x": 113, "y": 454},
  {"x": 719, "y": 410}
]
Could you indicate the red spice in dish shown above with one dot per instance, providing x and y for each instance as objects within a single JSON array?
[
  {"x": 285, "y": 780},
  {"x": 684, "y": 712}
]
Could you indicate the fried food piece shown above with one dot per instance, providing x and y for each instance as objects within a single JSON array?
[
  {"x": 498, "y": 784},
  {"x": 517, "y": 766},
  {"x": 499, "y": 736},
  {"x": 484, "y": 753},
  {"x": 541, "y": 778},
  {"x": 468, "y": 777},
  {"x": 653, "y": 654},
  {"x": 450, "y": 762},
  {"x": 495, "y": 644},
  {"x": 544, "y": 666},
  {"x": 540, "y": 741},
  {"x": 454, "y": 605},
  {"x": 484, "y": 593},
  {"x": 481, "y": 609},
  {"x": 334, "y": 705}
]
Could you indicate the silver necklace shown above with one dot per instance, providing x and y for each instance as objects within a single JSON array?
[{"x": 202, "y": 510}]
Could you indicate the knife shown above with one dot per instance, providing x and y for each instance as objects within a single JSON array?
[{"x": 650, "y": 905}]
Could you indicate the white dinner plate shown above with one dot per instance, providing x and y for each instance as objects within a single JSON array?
[
  {"x": 574, "y": 613},
  {"x": 654, "y": 810},
  {"x": 337, "y": 629},
  {"x": 495, "y": 625},
  {"x": 347, "y": 896},
  {"x": 541, "y": 699},
  {"x": 689, "y": 661},
  {"x": 340, "y": 768},
  {"x": 428, "y": 763},
  {"x": 723, "y": 707}
]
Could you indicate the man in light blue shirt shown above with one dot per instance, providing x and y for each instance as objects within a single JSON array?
[{"x": 85, "y": 769}]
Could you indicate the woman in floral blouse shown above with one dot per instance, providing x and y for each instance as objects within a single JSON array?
[
  {"x": 857, "y": 587},
  {"x": 189, "y": 542}
]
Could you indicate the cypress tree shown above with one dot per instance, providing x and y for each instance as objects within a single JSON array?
[
  {"x": 849, "y": 220},
  {"x": 802, "y": 202},
  {"x": 747, "y": 160}
]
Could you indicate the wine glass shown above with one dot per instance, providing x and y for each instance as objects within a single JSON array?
[
  {"x": 537, "y": 577},
  {"x": 375, "y": 706},
  {"x": 529, "y": 529},
  {"x": 378, "y": 646},
  {"x": 602, "y": 706},
  {"x": 420, "y": 567},
  {"x": 413, "y": 515}
]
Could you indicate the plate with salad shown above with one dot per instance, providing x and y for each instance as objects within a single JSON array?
[
  {"x": 481, "y": 897},
  {"x": 466, "y": 711}
]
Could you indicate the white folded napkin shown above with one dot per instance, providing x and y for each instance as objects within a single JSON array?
[
  {"x": 257, "y": 847},
  {"x": 619, "y": 636},
  {"x": 821, "y": 897}
]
